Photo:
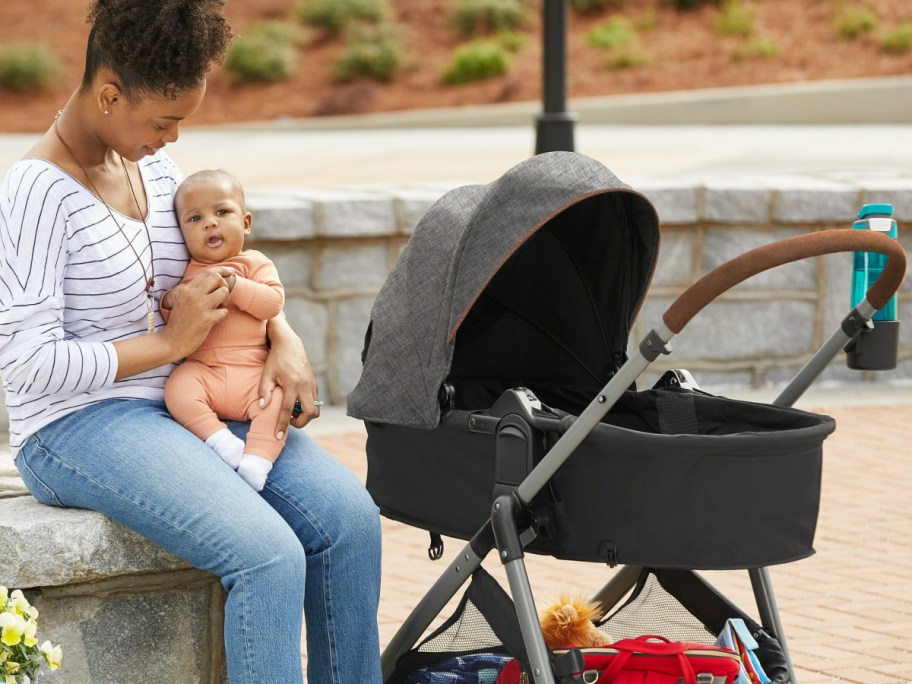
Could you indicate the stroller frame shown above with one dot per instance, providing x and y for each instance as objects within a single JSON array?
[{"x": 507, "y": 529}]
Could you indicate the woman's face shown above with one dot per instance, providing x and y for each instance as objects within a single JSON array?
[{"x": 136, "y": 130}]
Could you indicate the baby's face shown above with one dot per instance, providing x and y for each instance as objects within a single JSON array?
[{"x": 212, "y": 219}]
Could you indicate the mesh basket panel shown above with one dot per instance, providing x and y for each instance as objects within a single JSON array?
[
  {"x": 654, "y": 611},
  {"x": 471, "y": 632},
  {"x": 483, "y": 621}
]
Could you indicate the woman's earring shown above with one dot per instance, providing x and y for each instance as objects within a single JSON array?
[{"x": 107, "y": 112}]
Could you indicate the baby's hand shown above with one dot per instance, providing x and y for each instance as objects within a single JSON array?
[{"x": 228, "y": 273}]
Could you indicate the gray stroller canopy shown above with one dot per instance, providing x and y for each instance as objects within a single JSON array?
[{"x": 534, "y": 279}]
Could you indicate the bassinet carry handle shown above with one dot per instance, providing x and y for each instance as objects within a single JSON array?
[{"x": 749, "y": 264}]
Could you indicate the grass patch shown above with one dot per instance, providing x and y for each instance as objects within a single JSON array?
[
  {"x": 755, "y": 48},
  {"x": 691, "y": 4},
  {"x": 898, "y": 40},
  {"x": 615, "y": 33},
  {"x": 627, "y": 58},
  {"x": 372, "y": 52},
  {"x": 265, "y": 53},
  {"x": 854, "y": 21},
  {"x": 512, "y": 41},
  {"x": 479, "y": 17},
  {"x": 28, "y": 66},
  {"x": 476, "y": 61},
  {"x": 647, "y": 21},
  {"x": 734, "y": 20},
  {"x": 335, "y": 15},
  {"x": 595, "y": 6},
  {"x": 620, "y": 40}
]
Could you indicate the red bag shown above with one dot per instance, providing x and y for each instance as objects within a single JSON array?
[{"x": 646, "y": 660}]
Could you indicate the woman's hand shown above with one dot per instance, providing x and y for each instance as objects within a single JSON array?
[
  {"x": 196, "y": 306},
  {"x": 287, "y": 366}
]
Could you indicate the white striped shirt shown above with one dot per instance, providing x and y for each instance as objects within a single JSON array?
[{"x": 70, "y": 286}]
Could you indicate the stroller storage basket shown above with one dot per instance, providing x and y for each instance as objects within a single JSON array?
[
  {"x": 739, "y": 489},
  {"x": 484, "y": 627}
]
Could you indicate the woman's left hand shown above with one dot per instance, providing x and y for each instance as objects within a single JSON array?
[{"x": 287, "y": 366}]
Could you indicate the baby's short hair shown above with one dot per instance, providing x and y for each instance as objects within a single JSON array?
[{"x": 209, "y": 176}]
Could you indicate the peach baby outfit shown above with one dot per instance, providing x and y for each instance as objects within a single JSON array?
[{"x": 220, "y": 380}]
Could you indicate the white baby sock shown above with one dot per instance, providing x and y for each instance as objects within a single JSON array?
[
  {"x": 227, "y": 446},
  {"x": 254, "y": 470}
]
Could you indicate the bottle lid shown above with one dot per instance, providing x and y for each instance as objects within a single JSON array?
[{"x": 868, "y": 209}]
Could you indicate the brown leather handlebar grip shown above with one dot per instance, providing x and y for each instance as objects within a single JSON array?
[{"x": 749, "y": 264}]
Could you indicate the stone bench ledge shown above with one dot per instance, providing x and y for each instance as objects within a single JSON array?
[
  {"x": 112, "y": 599},
  {"x": 49, "y": 546}
]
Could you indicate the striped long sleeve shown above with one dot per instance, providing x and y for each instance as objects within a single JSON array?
[{"x": 72, "y": 282}]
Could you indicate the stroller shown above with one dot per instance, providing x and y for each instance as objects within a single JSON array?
[{"x": 501, "y": 408}]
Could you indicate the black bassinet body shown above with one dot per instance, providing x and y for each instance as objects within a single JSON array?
[
  {"x": 740, "y": 492},
  {"x": 535, "y": 281}
]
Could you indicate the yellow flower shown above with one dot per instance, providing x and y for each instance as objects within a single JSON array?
[
  {"x": 19, "y": 603},
  {"x": 12, "y": 628},
  {"x": 11, "y": 667},
  {"x": 52, "y": 654},
  {"x": 21, "y": 606},
  {"x": 28, "y": 636},
  {"x": 4, "y": 654}
]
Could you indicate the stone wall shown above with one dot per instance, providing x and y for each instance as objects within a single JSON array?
[{"x": 334, "y": 249}]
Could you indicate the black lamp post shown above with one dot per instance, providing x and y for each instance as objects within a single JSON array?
[{"x": 554, "y": 126}]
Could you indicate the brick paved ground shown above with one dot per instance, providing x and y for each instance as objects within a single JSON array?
[{"x": 847, "y": 611}]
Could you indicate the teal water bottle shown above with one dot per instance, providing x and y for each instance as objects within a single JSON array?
[
  {"x": 876, "y": 348},
  {"x": 869, "y": 265}
]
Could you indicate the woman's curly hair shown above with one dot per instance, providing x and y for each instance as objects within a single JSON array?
[{"x": 156, "y": 46}]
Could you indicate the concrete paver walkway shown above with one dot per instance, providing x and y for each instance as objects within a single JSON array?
[{"x": 286, "y": 156}]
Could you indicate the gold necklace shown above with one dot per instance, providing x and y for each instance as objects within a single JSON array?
[{"x": 148, "y": 277}]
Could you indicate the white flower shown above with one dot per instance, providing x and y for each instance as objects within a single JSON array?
[{"x": 52, "y": 654}]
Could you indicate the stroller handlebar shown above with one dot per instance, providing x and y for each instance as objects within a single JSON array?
[{"x": 749, "y": 264}]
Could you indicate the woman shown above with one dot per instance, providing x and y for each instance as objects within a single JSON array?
[{"x": 88, "y": 242}]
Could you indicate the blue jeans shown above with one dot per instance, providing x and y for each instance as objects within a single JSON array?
[{"x": 309, "y": 542}]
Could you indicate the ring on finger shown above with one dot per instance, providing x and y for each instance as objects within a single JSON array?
[{"x": 297, "y": 410}]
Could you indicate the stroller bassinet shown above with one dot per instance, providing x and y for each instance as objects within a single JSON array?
[{"x": 484, "y": 380}]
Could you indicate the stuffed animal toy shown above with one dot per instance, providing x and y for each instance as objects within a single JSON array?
[{"x": 569, "y": 621}]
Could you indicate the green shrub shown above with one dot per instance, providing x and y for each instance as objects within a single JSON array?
[
  {"x": 265, "y": 53},
  {"x": 593, "y": 6},
  {"x": 852, "y": 21},
  {"x": 646, "y": 21},
  {"x": 734, "y": 20},
  {"x": 335, "y": 15},
  {"x": 28, "y": 66},
  {"x": 691, "y": 4},
  {"x": 898, "y": 40},
  {"x": 512, "y": 41},
  {"x": 274, "y": 29},
  {"x": 615, "y": 33},
  {"x": 756, "y": 47},
  {"x": 474, "y": 17},
  {"x": 476, "y": 61},
  {"x": 370, "y": 52},
  {"x": 627, "y": 58}
]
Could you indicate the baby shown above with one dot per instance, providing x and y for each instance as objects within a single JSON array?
[{"x": 219, "y": 381}]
